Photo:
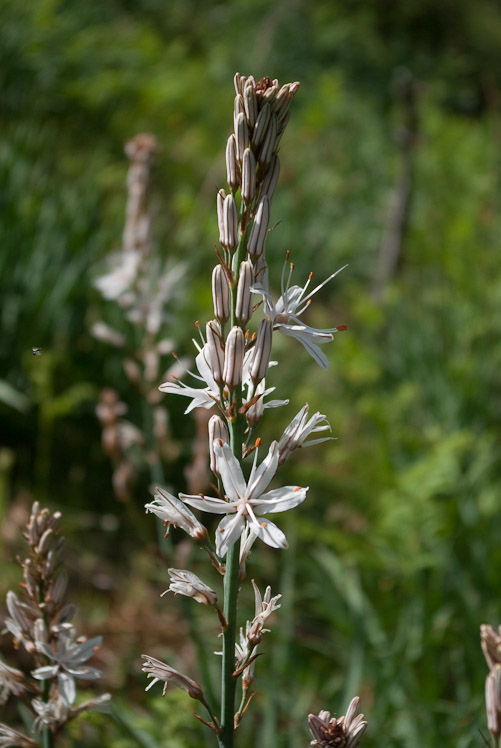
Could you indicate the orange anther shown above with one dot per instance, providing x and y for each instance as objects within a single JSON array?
[
  {"x": 342, "y": 327},
  {"x": 257, "y": 442},
  {"x": 263, "y": 524},
  {"x": 310, "y": 276},
  {"x": 298, "y": 488}
]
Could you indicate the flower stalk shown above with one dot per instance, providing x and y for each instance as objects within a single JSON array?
[{"x": 231, "y": 366}]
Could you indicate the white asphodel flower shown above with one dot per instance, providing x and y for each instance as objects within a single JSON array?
[
  {"x": 184, "y": 582},
  {"x": 299, "y": 430},
  {"x": 246, "y": 501},
  {"x": 67, "y": 662},
  {"x": 203, "y": 397},
  {"x": 173, "y": 512},
  {"x": 290, "y": 306}
]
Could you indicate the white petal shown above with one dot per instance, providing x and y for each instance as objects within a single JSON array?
[
  {"x": 280, "y": 499},
  {"x": 67, "y": 688},
  {"x": 207, "y": 503},
  {"x": 270, "y": 533},
  {"x": 259, "y": 479},
  {"x": 46, "y": 672},
  {"x": 230, "y": 471},
  {"x": 228, "y": 532},
  {"x": 304, "y": 338}
]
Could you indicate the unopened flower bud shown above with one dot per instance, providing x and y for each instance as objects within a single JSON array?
[
  {"x": 266, "y": 151},
  {"x": 216, "y": 350},
  {"x": 269, "y": 183},
  {"x": 262, "y": 121},
  {"x": 281, "y": 129},
  {"x": 250, "y": 104},
  {"x": 230, "y": 223},
  {"x": 271, "y": 92},
  {"x": 262, "y": 351},
  {"x": 220, "y": 294},
  {"x": 221, "y": 195},
  {"x": 282, "y": 100},
  {"x": 231, "y": 163},
  {"x": 492, "y": 702},
  {"x": 218, "y": 431},
  {"x": 259, "y": 230},
  {"x": 243, "y": 306},
  {"x": 248, "y": 176},
  {"x": 242, "y": 135},
  {"x": 234, "y": 356}
]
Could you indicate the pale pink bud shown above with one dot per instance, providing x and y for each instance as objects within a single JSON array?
[
  {"x": 492, "y": 705},
  {"x": 248, "y": 176},
  {"x": 218, "y": 432},
  {"x": 230, "y": 223},
  {"x": 236, "y": 82},
  {"x": 243, "y": 306},
  {"x": 234, "y": 356},
  {"x": 261, "y": 125},
  {"x": 259, "y": 230},
  {"x": 231, "y": 163},
  {"x": 282, "y": 100},
  {"x": 269, "y": 183},
  {"x": 281, "y": 129},
  {"x": 220, "y": 294},
  {"x": 272, "y": 91},
  {"x": 216, "y": 350},
  {"x": 250, "y": 104},
  {"x": 266, "y": 151},
  {"x": 262, "y": 351},
  {"x": 242, "y": 135},
  {"x": 221, "y": 195}
]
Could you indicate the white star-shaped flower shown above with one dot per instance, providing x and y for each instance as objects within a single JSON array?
[
  {"x": 247, "y": 500},
  {"x": 286, "y": 312}
]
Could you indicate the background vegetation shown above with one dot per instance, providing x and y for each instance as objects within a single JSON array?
[{"x": 396, "y": 554}]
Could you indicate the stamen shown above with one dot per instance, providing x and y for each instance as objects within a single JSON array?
[
  {"x": 257, "y": 442},
  {"x": 263, "y": 524},
  {"x": 341, "y": 327},
  {"x": 202, "y": 495},
  {"x": 298, "y": 488}
]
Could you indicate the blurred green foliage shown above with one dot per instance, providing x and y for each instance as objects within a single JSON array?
[{"x": 395, "y": 557}]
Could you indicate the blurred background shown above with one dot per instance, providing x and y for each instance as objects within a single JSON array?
[{"x": 391, "y": 163}]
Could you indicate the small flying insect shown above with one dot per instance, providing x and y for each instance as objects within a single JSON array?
[{"x": 37, "y": 351}]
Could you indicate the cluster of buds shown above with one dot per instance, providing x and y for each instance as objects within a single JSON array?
[
  {"x": 40, "y": 622},
  {"x": 490, "y": 641},
  {"x": 343, "y": 732}
]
